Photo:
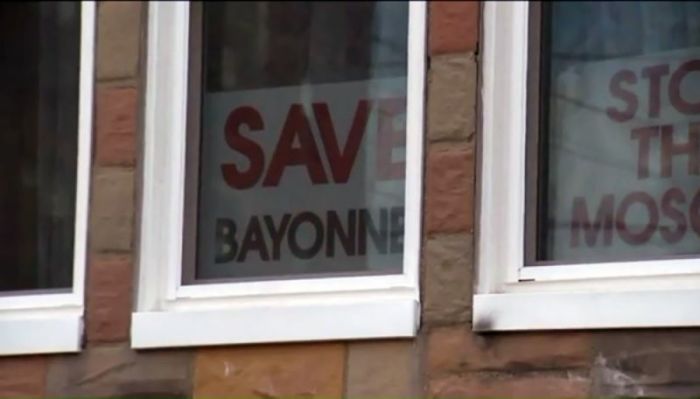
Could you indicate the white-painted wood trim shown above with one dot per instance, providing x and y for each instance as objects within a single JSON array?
[
  {"x": 162, "y": 300},
  {"x": 502, "y": 209},
  {"x": 611, "y": 270},
  {"x": 586, "y": 310},
  {"x": 40, "y": 332},
  {"x": 85, "y": 118},
  {"x": 512, "y": 296},
  {"x": 282, "y": 322},
  {"x": 52, "y": 322}
]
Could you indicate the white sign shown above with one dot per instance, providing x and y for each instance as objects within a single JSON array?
[
  {"x": 625, "y": 158},
  {"x": 303, "y": 180}
]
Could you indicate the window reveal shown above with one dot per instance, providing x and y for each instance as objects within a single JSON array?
[
  {"x": 302, "y": 146},
  {"x": 619, "y": 134}
]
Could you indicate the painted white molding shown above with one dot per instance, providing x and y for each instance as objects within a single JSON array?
[
  {"x": 169, "y": 314},
  {"x": 53, "y": 322},
  {"x": 510, "y": 296}
]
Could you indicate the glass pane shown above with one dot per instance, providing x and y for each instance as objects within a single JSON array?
[
  {"x": 619, "y": 148},
  {"x": 302, "y": 145},
  {"x": 40, "y": 47}
]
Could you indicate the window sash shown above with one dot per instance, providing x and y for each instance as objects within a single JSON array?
[
  {"x": 509, "y": 296},
  {"x": 162, "y": 298},
  {"x": 25, "y": 317}
]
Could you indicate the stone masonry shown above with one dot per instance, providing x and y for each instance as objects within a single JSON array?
[{"x": 446, "y": 359}]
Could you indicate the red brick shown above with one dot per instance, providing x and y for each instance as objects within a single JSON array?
[
  {"x": 22, "y": 376},
  {"x": 453, "y": 26},
  {"x": 449, "y": 202},
  {"x": 109, "y": 294},
  {"x": 524, "y": 385},
  {"x": 116, "y": 110},
  {"x": 456, "y": 349}
]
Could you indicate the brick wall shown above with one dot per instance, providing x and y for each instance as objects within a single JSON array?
[{"x": 446, "y": 359}]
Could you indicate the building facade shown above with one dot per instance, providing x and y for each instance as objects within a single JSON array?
[{"x": 350, "y": 200}]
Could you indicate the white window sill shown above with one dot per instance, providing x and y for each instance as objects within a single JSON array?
[
  {"x": 587, "y": 310},
  {"x": 381, "y": 317},
  {"x": 27, "y": 332}
]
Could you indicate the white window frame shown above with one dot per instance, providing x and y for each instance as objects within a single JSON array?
[
  {"x": 508, "y": 296},
  {"x": 45, "y": 322},
  {"x": 169, "y": 314}
]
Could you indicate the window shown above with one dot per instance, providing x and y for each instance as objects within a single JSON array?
[
  {"x": 590, "y": 209},
  {"x": 282, "y": 172},
  {"x": 46, "y": 73}
]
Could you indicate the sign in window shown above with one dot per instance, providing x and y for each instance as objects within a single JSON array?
[
  {"x": 297, "y": 154},
  {"x": 616, "y": 135}
]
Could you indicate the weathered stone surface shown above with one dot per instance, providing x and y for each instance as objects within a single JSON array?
[
  {"x": 647, "y": 363},
  {"x": 112, "y": 210},
  {"x": 447, "y": 285},
  {"x": 109, "y": 293},
  {"x": 452, "y": 97},
  {"x": 118, "y": 38},
  {"x": 457, "y": 348},
  {"x": 268, "y": 371},
  {"x": 383, "y": 369},
  {"x": 117, "y": 112},
  {"x": 453, "y": 26},
  {"x": 522, "y": 385},
  {"x": 449, "y": 198},
  {"x": 22, "y": 376},
  {"x": 117, "y": 370}
]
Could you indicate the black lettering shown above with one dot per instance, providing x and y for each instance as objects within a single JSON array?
[
  {"x": 253, "y": 241},
  {"x": 315, "y": 247},
  {"x": 226, "y": 245},
  {"x": 380, "y": 237},
  {"x": 277, "y": 235},
  {"x": 397, "y": 227},
  {"x": 335, "y": 230}
]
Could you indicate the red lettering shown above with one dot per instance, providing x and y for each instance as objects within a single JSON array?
[
  {"x": 295, "y": 127},
  {"x": 654, "y": 74},
  {"x": 669, "y": 149},
  {"x": 341, "y": 162},
  {"x": 673, "y": 235},
  {"x": 232, "y": 175},
  {"x": 616, "y": 89},
  {"x": 644, "y": 135},
  {"x": 623, "y": 230},
  {"x": 389, "y": 137},
  {"x": 603, "y": 220},
  {"x": 674, "y": 88}
]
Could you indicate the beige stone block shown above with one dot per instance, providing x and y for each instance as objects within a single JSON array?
[
  {"x": 447, "y": 286},
  {"x": 383, "y": 369},
  {"x": 271, "y": 371},
  {"x": 452, "y": 97},
  {"x": 112, "y": 209},
  {"x": 118, "y": 38}
]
